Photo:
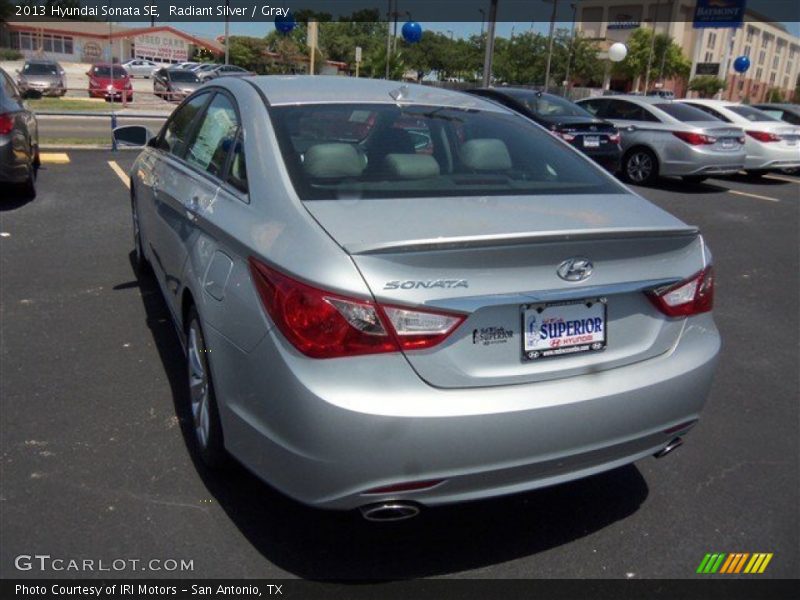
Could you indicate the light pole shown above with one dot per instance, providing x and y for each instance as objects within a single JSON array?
[
  {"x": 652, "y": 49},
  {"x": 489, "y": 55},
  {"x": 571, "y": 50},
  {"x": 388, "y": 36},
  {"x": 550, "y": 44},
  {"x": 227, "y": 31}
]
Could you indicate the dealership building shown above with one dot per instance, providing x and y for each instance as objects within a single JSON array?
[
  {"x": 93, "y": 41},
  {"x": 774, "y": 53}
]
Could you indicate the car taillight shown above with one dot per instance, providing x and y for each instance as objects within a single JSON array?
[
  {"x": 764, "y": 136},
  {"x": 565, "y": 136},
  {"x": 685, "y": 298},
  {"x": 695, "y": 139},
  {"x": 6, "y": 124},
  {"x": 323, "y": 324},
  {"x": 614, "y": 138}
]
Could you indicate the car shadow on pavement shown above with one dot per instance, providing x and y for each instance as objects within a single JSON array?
[
  {"x": 15, "y": 199},
  {"x": 684, "y": 187},
  {"x": 342, "y": 546}
]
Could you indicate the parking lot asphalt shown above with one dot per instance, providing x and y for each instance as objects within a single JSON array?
[{"x": 94, "y": 462}]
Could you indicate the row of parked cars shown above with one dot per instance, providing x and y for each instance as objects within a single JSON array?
[
  {"x": 45, "y": 77},
  {"x": 646, "y": 137}
]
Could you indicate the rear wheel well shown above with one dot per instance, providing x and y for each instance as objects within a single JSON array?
[
  {"x": 630, "y": 151},
  {"x": 187, "y": 302}
]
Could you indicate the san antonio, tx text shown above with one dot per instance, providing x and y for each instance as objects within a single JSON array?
[{"x": 132, "y": 589}]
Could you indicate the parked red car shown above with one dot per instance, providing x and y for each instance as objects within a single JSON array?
[{"x": 109, "y": 82}]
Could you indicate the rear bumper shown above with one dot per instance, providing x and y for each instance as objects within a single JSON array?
[
  {"x": 771, "y": 156},
  {"x": 325, "y": 431},
  {"x": 681, "y": 160},
  {"x": 609, "y": 160},
  {"x": 13, "y": 165}
]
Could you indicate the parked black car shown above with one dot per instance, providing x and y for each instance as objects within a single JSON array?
[
  {"x": 596, "y": 138},
  {"x": 19, "y": 140}
]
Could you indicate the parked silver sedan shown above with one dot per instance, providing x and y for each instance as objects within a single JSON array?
[
  {"x": 771, "y": 144},
  {"x": 141, "y": 67},
  {"x": 42, "y": 78},
  {"x": 377, "y": 324},
  {"x": 664, "y": 138}
]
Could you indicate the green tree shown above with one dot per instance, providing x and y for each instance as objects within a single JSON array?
[
  {"x": 774, "y": 94},
  {"x": 665, "y": 53},
  {"x": 706, "y": 85}
]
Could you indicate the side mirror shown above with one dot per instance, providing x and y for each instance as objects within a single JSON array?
[{"x": 132, "y": 136}]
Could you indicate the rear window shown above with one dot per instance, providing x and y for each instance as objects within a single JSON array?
[
  {"x": 751, "y": 114},
  {"x": 184, "y": 76},
  {"x": 549, "y": 106},
  {"x": 350, "y": 151},
  {"x": 119, "y": 72},
  {"x": 685, "y": 113}
]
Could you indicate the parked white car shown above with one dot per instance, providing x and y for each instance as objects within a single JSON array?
[
  {"x": 770, "y": 144},
  {"x": 140, "y": 67}
]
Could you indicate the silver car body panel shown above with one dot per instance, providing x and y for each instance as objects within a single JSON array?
[{"x": 325, "y": 430}]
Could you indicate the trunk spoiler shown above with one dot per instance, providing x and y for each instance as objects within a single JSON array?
[{"x": 479, "y": 241}]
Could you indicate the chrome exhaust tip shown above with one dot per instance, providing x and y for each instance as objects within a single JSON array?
[
  {"x": 676, "y": 443},
  {"x": 389, "y": 511}
]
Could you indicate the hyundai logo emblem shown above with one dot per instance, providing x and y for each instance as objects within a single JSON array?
[{"x": 575, "y": 269}]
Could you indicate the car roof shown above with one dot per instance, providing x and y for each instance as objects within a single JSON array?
[
  {"x": 635, "y": 99},
  {"x": 317, "y": 89},
  {"x": 710, "y": 102},
  {"x": 40, "y": 61}
]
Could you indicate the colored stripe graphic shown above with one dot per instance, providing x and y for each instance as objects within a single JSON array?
[{"x": 734, "y": 563}]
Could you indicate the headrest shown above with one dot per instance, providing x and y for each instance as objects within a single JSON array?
[
  {"x": 486, "y": 154},
  {"x": 332, "y": 161},
  {"x": 411, "y": 166}
]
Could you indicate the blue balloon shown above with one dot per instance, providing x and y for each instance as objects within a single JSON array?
[
  {"x": 285, "y": 24},
  {"x": 741, "y": 64},
  {"x": 412, "y": 32}
]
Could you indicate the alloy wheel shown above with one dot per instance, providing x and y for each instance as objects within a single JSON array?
[{"x": 198, "y": 387}]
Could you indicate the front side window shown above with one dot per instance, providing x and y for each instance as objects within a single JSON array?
[
  {"x": 174, "y": 137},
  {"x": 215, "y": 137},
  {"x": 626, "y": 111},
  {"x": 348, "y": 151}
]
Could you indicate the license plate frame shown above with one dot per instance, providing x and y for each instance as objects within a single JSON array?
[
  {"x": 543, "y": 312},
  {"x": 591, "y": 141}
]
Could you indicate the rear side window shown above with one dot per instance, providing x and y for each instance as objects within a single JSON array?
[
  {"x": 710, "y": 111},
  {"x": 684, "y": 112},
  {"x": 175, "y": 135},
  {"x": 237, "y": 173},
  {"x": 215, "y": 136},
  {"x": 751, "y": 114}
]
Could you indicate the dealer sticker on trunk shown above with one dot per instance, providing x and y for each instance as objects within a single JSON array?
[{"x": 563, "y": 328}]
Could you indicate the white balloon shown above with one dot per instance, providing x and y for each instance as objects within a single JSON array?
[{"x": 617, "y": 52}]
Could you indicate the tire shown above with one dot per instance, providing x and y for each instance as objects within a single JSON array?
[
  {"x": 756, "y": 174},
  {"x": 695, "y": 179},
  {"x": 28, "y": 187},
  {"x": 640, "y": 166},
  {"x": 203, "y": 413}
]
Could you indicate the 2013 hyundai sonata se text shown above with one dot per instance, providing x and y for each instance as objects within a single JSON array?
[{"x": 395, "y": 296}]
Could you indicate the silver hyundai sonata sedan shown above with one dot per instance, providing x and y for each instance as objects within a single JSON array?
[{"x": 394, "y": 296}]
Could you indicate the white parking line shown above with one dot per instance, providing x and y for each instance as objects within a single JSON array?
[
  {"x": 781, "y": 178},
  {"x": 120, "y": 173},
  {"x": 749, "y": 195}
]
